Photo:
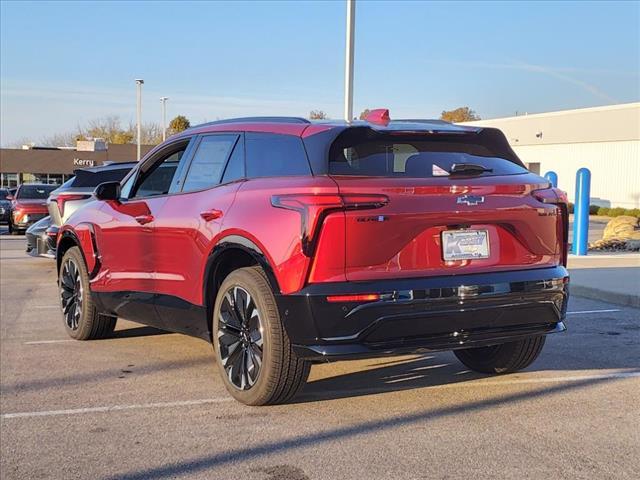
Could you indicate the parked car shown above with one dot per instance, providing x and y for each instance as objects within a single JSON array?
[
  {"x": 29, "y": 205},
  {"x": 76, "y": 192},
  {"x": 285, "y": 242},
  {"x": 40, "y": 242},
  {"x": 5, "y": 206}
]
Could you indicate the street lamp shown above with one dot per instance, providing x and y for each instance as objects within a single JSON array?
[
  {"x": 139, "y": 83},
  {"x": 348, "y": 64},
  {"x": 163, "y": 101}
]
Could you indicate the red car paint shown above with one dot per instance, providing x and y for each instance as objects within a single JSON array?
[{"x": 162, "y": 244}]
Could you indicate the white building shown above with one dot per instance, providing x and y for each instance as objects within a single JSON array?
[{"x": 606, "y": 140}]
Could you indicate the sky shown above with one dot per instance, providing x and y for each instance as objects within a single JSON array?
[{"x": 65, "y": 63}]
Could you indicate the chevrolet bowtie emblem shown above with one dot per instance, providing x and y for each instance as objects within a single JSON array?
[{"x": 470, "y": 200}]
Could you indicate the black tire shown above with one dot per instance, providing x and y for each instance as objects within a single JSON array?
[
  {"x": 280, "y": 373},
  {"x": 81, "y": 318},
  {"x": 10, "y": 228},
  {"x": 504, "y": 358}
]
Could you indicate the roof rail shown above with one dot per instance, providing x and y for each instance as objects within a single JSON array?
[{"x": 255, "y": 119}]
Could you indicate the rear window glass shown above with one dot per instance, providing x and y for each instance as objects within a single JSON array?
[
  {"x": 87, "y": 178},
  {"x": 35, "y": 191},
  {"x": 274, "y": 155},
  {"x": 414, "y": 157}
]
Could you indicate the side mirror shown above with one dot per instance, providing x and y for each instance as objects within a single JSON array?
[{"x": 108, "y": 191}]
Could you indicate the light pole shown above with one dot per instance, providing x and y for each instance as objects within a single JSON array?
[
  {"x": 348, "y": 64},
  {"x": 163, "y": 101},
  {"x": 139, "y": 83}
]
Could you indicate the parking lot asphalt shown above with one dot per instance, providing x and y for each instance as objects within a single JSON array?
[{"x": 148, "y": 404}]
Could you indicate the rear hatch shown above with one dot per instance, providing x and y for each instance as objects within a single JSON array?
[{"x": 456, "y": 204}]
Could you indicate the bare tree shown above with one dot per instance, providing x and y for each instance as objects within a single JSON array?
[{"x": 318, "y": 115}]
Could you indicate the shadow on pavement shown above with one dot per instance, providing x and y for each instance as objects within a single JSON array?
[{"x": 315, "y": 440}]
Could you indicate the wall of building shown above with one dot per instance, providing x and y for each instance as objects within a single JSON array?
[
  {"x": 606, "y": 140},
  {"x": 614, "y": 166}
]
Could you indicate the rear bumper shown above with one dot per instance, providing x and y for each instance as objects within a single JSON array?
[{"x": 435, "y": 313}]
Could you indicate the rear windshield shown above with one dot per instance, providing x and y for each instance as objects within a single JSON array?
[
  {"x": 87, "y": 178},
  {"x": 35, "y": 191},
  {"x": 3, "y": 194},
  {"x": 414, "y": 157}
]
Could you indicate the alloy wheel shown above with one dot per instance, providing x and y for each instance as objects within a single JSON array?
[
  {"x": 239, "y": 337},
  {"x": 71, "y": 294}
]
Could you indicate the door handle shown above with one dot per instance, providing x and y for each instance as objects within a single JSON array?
[
  {"x": 212, "y": 214},
  {"x": 144, "y": 219}
]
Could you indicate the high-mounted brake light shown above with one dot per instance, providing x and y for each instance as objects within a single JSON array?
[
  {"x": 314, "y": 208},
  {"x": 379, "y": 116},
  {"x": 64, "y": 198}
]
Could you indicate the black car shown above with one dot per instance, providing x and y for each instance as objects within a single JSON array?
[
  {"x": 41, "y": 239},
  {"x": 5, "y": 206}
]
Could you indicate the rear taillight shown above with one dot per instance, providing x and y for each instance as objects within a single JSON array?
[
  {"x": 314, "y": 208},
  {"x": 62, "y": 199},
  {"x": 555, "y": 196}
]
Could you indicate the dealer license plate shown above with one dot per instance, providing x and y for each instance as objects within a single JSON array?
[{"x": 465, "y": 244}]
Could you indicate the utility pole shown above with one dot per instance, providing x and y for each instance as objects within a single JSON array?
[
  {"x": 348, "y": 64},
  {"x": 163, "y": 101},
  {"x": 139, "y": 83}
]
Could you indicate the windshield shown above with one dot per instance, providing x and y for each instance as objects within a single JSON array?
[
  {"x": 415, "y": 157},
  {"x": 4, "y": 193},
  {"x": 36, "y": 192}
]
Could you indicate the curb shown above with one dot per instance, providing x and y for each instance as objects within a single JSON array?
[{"x": 624, "y": 299}]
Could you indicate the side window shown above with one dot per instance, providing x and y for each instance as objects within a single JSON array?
[
  {"x": 235, "y": 165},
  {"x": 158, "y": 178},
  {"x": 208, "y": 161},
  {"x": 275, "y": 155}
]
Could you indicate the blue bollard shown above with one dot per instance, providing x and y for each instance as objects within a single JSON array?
[
  {"x": 581, "y": 212},
  {"x": 552, "y": 177}
]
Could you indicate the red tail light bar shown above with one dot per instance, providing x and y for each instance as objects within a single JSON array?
[
  {"x": 367, "y": 297},
  {"x": 314, "y": 208}
]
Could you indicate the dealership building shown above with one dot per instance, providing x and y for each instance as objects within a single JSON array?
[
  {"x": 32, "y": 164},
  {"x": 606, "y": 140}
]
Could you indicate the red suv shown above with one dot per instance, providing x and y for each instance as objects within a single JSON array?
[{"x": 285, "y": 242}]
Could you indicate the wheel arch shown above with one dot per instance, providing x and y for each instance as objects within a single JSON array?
[
  {"x": 229, "y": 254},
  {"x": 83, "y": 237}
]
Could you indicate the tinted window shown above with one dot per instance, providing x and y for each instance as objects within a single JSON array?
[
  {"x": 273, "y": 155},
  {"x": 3, "y": 194},
  {"x": 235, "y": 165},
  {"x": 413, "y": 157},
  {"x": 35, "y": 191},
  {"x": 157, "y": 180},
  {"x": 209, "y": 160}
]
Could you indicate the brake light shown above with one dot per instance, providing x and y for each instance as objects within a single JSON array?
[
  {"x": 555, "y": 196},
  {"x": 314, "y": 208},
  {"x": 64, "y": 198},
  {"x": 367, "y": 297}
]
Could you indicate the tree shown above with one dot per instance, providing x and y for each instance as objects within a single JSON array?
[
  {"x": 179, "y": 124},
  {"x": 462, "y": 114},
  {"x": 364, "y": 113},
  {"x": 317, "y": 115}
]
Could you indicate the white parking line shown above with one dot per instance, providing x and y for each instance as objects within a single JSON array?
[
  {"x": 115, "y": 408},
  {"x": 205, "y": 401},
  {"x": 44, "y": 342},
  {"x": 610, "y": 310}
]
